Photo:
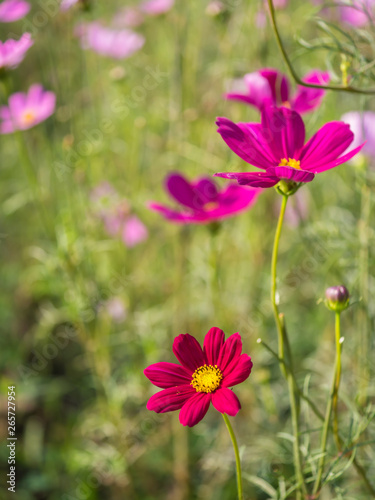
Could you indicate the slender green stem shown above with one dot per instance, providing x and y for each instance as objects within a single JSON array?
[
  {"x": 237, "y": 455},
  {"x": 344, "y": 88},
  {"x": 279, "y": 323},
  {"x": 337, "y": 382},
  {"x": 286, "y": 366},
  {"x": 332, "y": 400}
]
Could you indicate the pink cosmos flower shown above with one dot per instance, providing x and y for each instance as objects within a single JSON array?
[
  {"x": 201, "y": 201},
  {"x": 276, "y": 145},
  {"x": 117, "y": 217},
  {"x": 128, "y": 17},
  {"x": 27, "y": 110},
  {"x": 363, "y": 127},
  {"x": 269, "y": 87},
  {"x": 12, "y": 52},
  {"x": 204, "y": 376},
  {"x": 156, "y": 7},
  {"x": 13, "y": 10},
  {"x": 358, "y": 14},
  {"x": 118, "y": 44}
]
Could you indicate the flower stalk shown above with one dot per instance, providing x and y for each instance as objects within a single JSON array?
[{"x": 237, "y": 455}]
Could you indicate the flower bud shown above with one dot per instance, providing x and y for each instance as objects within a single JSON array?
[{"x": 337, "y": 298}]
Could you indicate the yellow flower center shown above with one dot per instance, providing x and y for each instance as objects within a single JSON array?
[
  {"x": 28, "y": 118},
  {"x": 211, "y": 205},
  {"x": 206, "y": 378},
  {"x": 290, "y": 163}
]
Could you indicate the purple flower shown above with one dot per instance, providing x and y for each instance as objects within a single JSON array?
[
  {"x": 118, "y": 44},
  {"x": 13, "y": 10},
  {"x": 203, "y": 377},
  {"x": 269, "y": 87},
  {"x": 156, "y": 7},
  {"x": 24, "y": 111},
  {"x": 363, "y": 127},
  {"x": 276, "y": 146},
  {"x": 12, "y": 52},
  {"x": 201, "y": 202}
]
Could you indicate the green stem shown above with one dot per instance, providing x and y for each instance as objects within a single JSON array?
[
  {"x": 286, "y": 367},
  {"x": 330, "y": 406},
  {"x": 279, "y": 323},
  {"x": 337, "y": 381},
  {"x": 344, "y": 88},
  {"x": 237, "y": 455}
]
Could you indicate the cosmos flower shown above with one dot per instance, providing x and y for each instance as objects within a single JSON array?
[
  {"x": 269, "y": 87},
  {"x": 201, "y": 202},
  {"x": 363, "y": 127},
  {"x": 118, "y": 44},
  {"x": 13, "y": 10},
  {"x": 156, "y": 7},
  {"x": 128, "y": 17},
  {"x": 357, "y": 13},
  {"x": 117, "y": 216},
  {"x": 12, "y": 51},
  {"x": 24, "y": 111},
  {"x": 204, "y": 376},
  {"x": 277, "y": 146},
  {"x": 67, "y": 4}
]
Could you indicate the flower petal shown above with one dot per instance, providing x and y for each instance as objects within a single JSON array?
[
  {"x": 284, "y": 132},
  {"x": 195, "y": 409},
  {"x": 225, "y": 401},
  {"x": 182, "y": 191},
  {"x": 238, "y": 371},
  {"x": 244, "y": 140},
  {"x": 325, "y": 146},
  {"x": 254, "y": 179},
  {"x": 166, "y": 375},
  {"x": 278, "y": 83},
  {"x": 170, "y": 399},
  {"x": 290, "y": 173},
  {"x": 206, "y": 189},
  {"x": 213, "y": 342},
  {"x": 188, "y": 352},
  {"x": 257, "y": 91},
  {"x": 307, "y": 98},
  {"x": 230, "y": 353}
]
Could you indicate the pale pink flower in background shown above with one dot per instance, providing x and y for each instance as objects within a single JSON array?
[
  {"x": 118, "y": 44},
  {"x": 134, "y": 231},
  {"x": 12, "y": 52},
  {"x": 24, "y": 111},
  {"x": 117, "y": 216},
  {"x": 215, "y": 8},
  {"x": 115, "y": 308},
  {"x": 128, "y": 17},
  {"x": 357, "y": 13},
  {"x": 67, "y": 4},
  {"x": 363, "y": 127},
  {"x": 156, "y": 7},
  {"x": 13, "y": 10}
]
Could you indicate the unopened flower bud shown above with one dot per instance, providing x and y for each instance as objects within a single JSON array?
[{"x": 337, "y": 298}]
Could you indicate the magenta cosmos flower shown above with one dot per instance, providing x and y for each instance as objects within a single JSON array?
[
  {"x": 204, "y": 376},
  {"x": 269, "y": 87},
  {"x": 24, "y": 111},
  {"x": 12, "y": 52},
  {"x": 118, "y": 44},
  {"x": 13, "y": 10},
  {"x": 201, "y": 201},
  {"x": 276, "y": 145}
]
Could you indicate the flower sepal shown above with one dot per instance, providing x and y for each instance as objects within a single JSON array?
[{"x": 287, "y": 188}]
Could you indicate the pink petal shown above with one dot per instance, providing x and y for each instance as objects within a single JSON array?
[
  {"x": 306, "y": 98},
  {"x": 206, "y": 189},
  {"x": 237, "y": 372},
  {"x": 166, "y": 375},
  {"x": 230, "y": 353},
  {"x": 225, "y": 401},
  {"x": 195, "y": 409},
  {"x": 170, "y": 399},
  {"x": 213, "y": 342},
  {"x": 290, "y": 173},
  {"x": 188, "y": 352},
  {"x": 278, "y": 83},
  {"x": 183, "y": 192},
  {"x": 254, "y": 179}
]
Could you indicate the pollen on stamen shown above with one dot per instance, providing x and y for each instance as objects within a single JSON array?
[
  {"x": 206, "y": 378},
  {"x": 291, "y": 162}
]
